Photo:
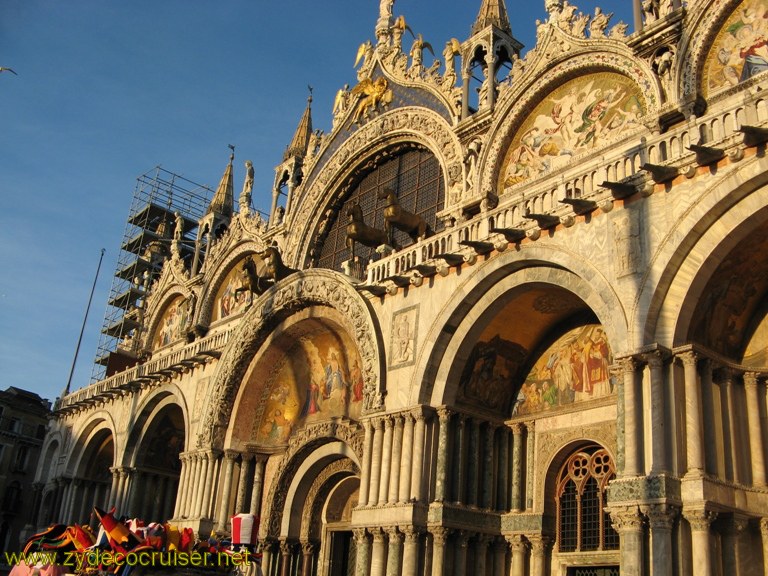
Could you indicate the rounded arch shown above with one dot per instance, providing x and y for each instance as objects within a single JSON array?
[
  {"x": 311, "y": 452},
  {"x": 414, "y": 125},
  {"x": 323, "y": 288},
  {"x": 515, "y": 105},
  {"x": 157, "y": 311},
  {"x": 48, "y": 468},
  {"x": 722, "y": 215},
  {"x": 307, "y": 370},
  {"x": 233, "y": 257},
  {"x": 463, "y": 314},
  {"x": 707, "y": 19},
  {"x": 151, "y": 407},
  {"x": 99, "y": 425}
]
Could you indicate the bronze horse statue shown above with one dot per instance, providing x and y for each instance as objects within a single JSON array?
[
  {"x": 359, "y": 231},
  {"x": 395, "y": 215},
  {"x": 275, "y": 270}
]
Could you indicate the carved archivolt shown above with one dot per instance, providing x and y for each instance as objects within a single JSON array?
[
  {"x": 298, "y": 291},
  {"x": 711, "y": 17},
  {"x": 318, "y": 494},
  {"x": 522, "y": 99},
  {"x": 417, "y": 125},
  {"x": 215, "y": 275},
  {"x": 300, "y": 446}
]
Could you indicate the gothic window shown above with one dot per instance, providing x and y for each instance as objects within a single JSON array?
[
  {"x": 414, "y": 175},
  {"x": 582, "y": 522}
]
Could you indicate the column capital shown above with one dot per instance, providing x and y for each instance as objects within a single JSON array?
[
  {"x": 516, "y": 542},
  {"x": 654, "y": 359},
  {"x": 629, "y": 364},
  {"x": 750, "y": 379},
  {"x": 444, "y": 413},
  {"x": 699, "y": 518},
  {"x": 230, "y": 454},
  {"x": 286, "y": 547},
  {"x": 531, "y": 426},
  {"x": 360, "y": 534},
  {"x": 661, "y": 516},
  {"x": 688, "y": 357},
  {"x": 394, "y": 534},
  {"x": 764, "y": 526},
  {"x": 625, "y": 519},
  {"x": 539, "y": 543},
  {"x": 308, "y": 548},
  {"x": 439, "y": 534},
  {"x": 388, "y": 421},
  {"x": 411, "y": 533},
  {"x": 378, "y": 534}
]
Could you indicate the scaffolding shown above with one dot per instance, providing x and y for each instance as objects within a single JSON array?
[{"x": 158, "y": 196}]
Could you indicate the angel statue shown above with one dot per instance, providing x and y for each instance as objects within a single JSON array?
[
  {"x": 364, "y": 53},
  {"x": 417, "y": 55},
  {"x": 452, "y": 48},
  {"x": 371, "y": 93}
]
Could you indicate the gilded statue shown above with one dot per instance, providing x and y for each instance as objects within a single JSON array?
[{"x": 371, "y": 94}]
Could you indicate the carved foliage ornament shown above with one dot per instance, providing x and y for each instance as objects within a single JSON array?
[
  {"x": 300, "y": 446},
  {"x": 301, "y": 290}
]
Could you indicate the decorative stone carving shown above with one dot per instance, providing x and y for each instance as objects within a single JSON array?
[{"x": 319, "y": 287}]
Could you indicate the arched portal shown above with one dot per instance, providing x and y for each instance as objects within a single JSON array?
[
  {"x": 156, "y": 465},
  {"x": 92, "y": 480}
]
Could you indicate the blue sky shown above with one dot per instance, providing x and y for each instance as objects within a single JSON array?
[{"x": 107, "y": 90}]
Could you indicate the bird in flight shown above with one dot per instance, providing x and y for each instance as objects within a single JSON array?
[{"x": 4, "y": 69}]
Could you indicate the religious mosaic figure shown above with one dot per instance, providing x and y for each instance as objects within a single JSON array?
[
  {"x": 740, "y": 50},
  {"x": 577, "y": 117}
]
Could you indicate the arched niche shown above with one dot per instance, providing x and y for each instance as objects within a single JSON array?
[{"x": 307, "y": 371}]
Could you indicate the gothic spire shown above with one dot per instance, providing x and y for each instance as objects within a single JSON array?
[
  {"x": 300, "y": 142},
  {"x": 492, "y": 12},
  {"x": 223, "y": 203}
]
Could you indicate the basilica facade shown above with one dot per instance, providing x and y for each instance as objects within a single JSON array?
[{"x": 507, "y": 317}]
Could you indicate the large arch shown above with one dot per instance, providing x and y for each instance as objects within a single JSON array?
[
  {"x": 318, "y": 288},
  {"x": 404, "y": 125},
  {"x": 466, "y": 311},
  {"x": 721, "y": 216}
]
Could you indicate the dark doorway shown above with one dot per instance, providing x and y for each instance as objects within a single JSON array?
[
  {"x": 342, "y": 560},
  {"x": 593, "y": 571}
]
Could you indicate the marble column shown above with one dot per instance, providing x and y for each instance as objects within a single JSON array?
[
  {"x": 539, "y": 545},
  {"x": 267, "y": 556},
  {"x": 114, "y": 488},
  {"x": 661, "y": 518},
  {"x": 378, "y": 443},
  {"x": 444, "y": 416},
  {"x": 460, "y": 553},
  {"x": 481, "y": 554},
  {"x": 308, "y": 558},
  {"x": 517, "y": 466},
  {"x": 226, "y": 491},
  {"x": 394, "y": 552},
  {"x": 473, "y": 464},
  {"x": 406, "y": 460},
  {"x": 764, "y": 537},
  {"x": 365, "y": 473},
  {"x": 397, "y": 450},
  {"x": 242, "y": 484},
  {"x": 378, "y": 552},
  {"x": 756, "y": 450},
  {"x": 419, "y": 434},
  {"x": 209, "y": 469},
  {"x": 499, "y": 557},
  {"x": 465, "y": 75},
  {"x": 629, "y": 524},
  {"x": 363, "y": 551},
  {"x": 460, "y": 455},
  {"x": 439, "y": 538},
  {"x": 701, "y": 553},
  {"x": 633, "y": 442},
  {"x": 258, "y": 484},
  {"x": 286, "y": 548},
  {"x": 196, "y": 484},
  {"x": 734, "y": 445},
  {"x": 733, "y": 545},
  {"x": 488, "y": 475},
  {"x": 694, "y": 431},
  {"x": 518, "y": 548},
  {"x": 386, "y": 461},
  {"x": 658, "y": 423},
  {"x": 411, "y": 551},
  {"x": 708, "y": 412},
  {"x": 530, "y": 448},
  {"x": 179, "y": 495},
  {"x": 502, "y": 485}
]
